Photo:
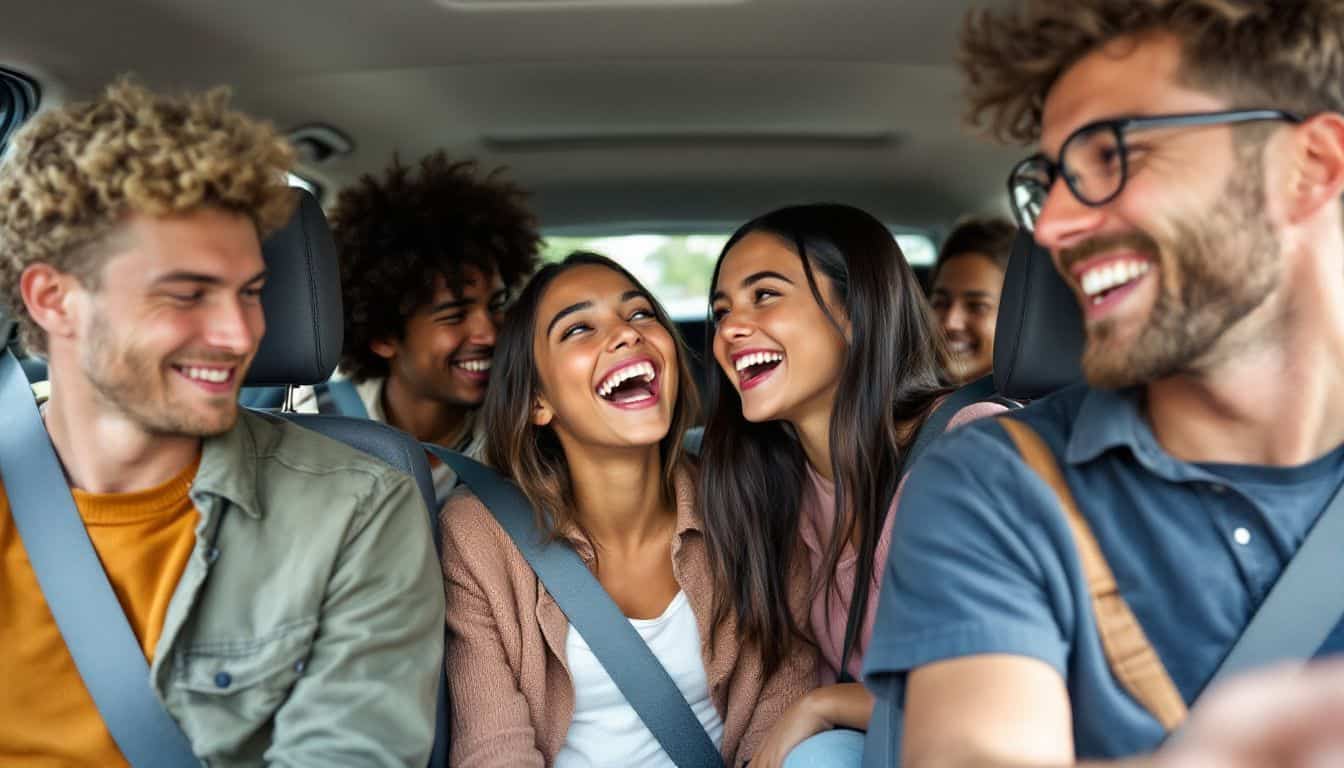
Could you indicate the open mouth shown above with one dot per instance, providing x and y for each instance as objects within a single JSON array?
[
  {"x": 962, "y": 347},
  {"x": 1111, "y": 280},
  {"x": 212, "y": 378},
  {"x": 755, "y": 366},
  {"x": 476, "y": 369},
  {"x": 632, "y": 385}
]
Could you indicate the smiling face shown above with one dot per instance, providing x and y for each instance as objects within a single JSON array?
[
  {"x": 772, "y": 339},
  {"x": 166, "y": 338},
  {"x": 444, "y": 354},
  {"x": 1187, "y": 250},
  {"x": 607, "y": 368},
  {"x": 966, "y": 302}
]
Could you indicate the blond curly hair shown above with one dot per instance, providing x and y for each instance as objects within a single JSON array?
[
  {"x": 74, "y": 173},
  {"x": 1287, "y": 54}
]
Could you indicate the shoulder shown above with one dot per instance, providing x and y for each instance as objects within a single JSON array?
[
  {"x": 283, "y": 448},
  {"x": 474, "y": 541}
]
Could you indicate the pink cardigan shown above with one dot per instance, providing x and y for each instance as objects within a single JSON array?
[
  {"x": 511, "y": 693},
  {"x": 828, "y": 619}
]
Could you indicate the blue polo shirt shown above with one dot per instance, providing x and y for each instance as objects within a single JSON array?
[{"x": 982, "y": 560}]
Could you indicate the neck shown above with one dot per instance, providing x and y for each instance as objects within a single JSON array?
[
  {"x": 814, "y": 433},
  {"x": 105, "y": 452},
  {"x": 619, "y": 496},
  {"x": 1277, "y": 401},
  {"x": 428, "y": 420}
]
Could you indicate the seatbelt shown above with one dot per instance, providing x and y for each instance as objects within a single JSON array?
[
  {"x": 1294, "y": 620},
  {"x": 638, "y": 674},
  {"x": 343, "y": 396},
  {"x": 92, "y": 623},
  {"x": 980, "y": 390}
]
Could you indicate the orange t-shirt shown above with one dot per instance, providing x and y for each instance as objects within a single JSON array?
[{"x": 143, "y": 539}]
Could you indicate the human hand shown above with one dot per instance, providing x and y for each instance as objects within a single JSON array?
[
  {"x": 796, "y": 725},
  {"x": 1285, "y": 717}
]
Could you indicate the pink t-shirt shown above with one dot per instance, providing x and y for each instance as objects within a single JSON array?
[{"x": 816, "y": 517}]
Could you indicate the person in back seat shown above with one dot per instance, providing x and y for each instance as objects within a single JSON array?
[
  {"x": 282, "y": 585},
  {"x": 591, "y": 399},
  {"x": 429, "y": 258},
  {"x": 829, "y": 363},
  {"x": 1188, "y": 189},
  {"x": 967, "y": 283}
]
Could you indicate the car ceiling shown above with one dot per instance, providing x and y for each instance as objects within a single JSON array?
[{"x": 615, "y": 113}]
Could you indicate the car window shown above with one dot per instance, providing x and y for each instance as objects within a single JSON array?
[{"x": 678, "y": 267}]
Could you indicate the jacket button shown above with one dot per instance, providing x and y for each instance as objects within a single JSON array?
[{"x": 223, "y": 679}]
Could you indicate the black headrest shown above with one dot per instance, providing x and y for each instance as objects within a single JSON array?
[
  {"x": 1038, "y": 343},
  {"x": 302, "y": 301}
]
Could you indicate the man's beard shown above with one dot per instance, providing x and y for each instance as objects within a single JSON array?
[
  {"x": 1225, "y": 265},
  {"x": 131, "y": 380}
]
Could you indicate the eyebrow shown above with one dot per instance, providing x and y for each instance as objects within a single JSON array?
[
  {"x": 566, "y": 312},
  {"x": 582, "y": 305},
  {"x": 183, "y": 276},
  {"x": 450, "y": 305},
  {"x": 751, "y": 280}
]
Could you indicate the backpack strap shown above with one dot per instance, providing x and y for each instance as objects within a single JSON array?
[{"x": 1131, "y": 657}]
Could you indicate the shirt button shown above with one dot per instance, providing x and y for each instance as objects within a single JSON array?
[
  {"x": 300, "y": 665},
  {"x": 212, "y": 555},
  {"x": 223, "y": 679},
  {"x": 1242, "y": 536}
]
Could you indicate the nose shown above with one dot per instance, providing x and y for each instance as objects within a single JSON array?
[
  {"x": 624, "y": 335},
  {"x": 1064, "y": 221},
  {"x": 734, "y": 326},
  {"x": 236, "y": 326},
  {"x": 954, "y": 317},
  {"x": 482, "y": 328}
]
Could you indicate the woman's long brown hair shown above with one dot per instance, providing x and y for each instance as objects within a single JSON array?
[
  {"x": 752, "y": 474},
  {"x": 531, "y": 455}
]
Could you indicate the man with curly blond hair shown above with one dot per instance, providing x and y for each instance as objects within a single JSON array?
[
  {"x": 429, "y": 257},
  {"x": 1064, "y": 583},
  {"x": 282, "y": 587}
]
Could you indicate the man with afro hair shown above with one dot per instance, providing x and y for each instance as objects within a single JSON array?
[{"x": 429, "y": 258}]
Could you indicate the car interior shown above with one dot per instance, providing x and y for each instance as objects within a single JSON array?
[{"x": 634, "y": 124}]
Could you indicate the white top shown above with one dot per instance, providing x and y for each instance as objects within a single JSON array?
[{"x": 605, "y": 730}]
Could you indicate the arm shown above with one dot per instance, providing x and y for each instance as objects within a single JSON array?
[
  {"x": 1274, "y": 718},
  {"x": 367, "y": 696},
  {"x": 492, "y": 723}
]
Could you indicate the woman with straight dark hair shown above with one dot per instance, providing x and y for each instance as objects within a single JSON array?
[
  {"x": 829, "y": 362},
  {"x": 588, "y": 403}
]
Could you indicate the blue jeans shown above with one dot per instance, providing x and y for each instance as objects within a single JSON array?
[{"x": 837, "y": 748}]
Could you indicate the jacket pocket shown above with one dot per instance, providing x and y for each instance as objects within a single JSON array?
[{"x": 226, "y": 692}]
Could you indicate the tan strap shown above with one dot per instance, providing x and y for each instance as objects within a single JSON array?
[{"x": 1132, "y": 658}]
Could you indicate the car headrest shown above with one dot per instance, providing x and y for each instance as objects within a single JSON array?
[
  {"x": 1038, "y": 343},
  {"x": 302, "y": 302}
]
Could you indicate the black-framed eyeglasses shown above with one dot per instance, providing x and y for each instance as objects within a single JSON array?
[{"x": 1094, "y": 160}]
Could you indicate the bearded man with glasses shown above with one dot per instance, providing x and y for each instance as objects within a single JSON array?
[{"x": 1187, "y": 187}]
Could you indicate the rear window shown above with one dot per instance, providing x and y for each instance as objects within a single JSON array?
[{"x": 677, "y": 268}]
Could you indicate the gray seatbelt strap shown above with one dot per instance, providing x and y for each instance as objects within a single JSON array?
[
  {"x": 1303, "y": 606},
  {"x": 595, "y": 616},
  {"x": 92, "y": 623}
]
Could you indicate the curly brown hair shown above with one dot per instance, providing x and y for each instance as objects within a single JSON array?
[
  {"x": 397, "y": 233},
  {"x": 74, "y": 173},
  {"x": 1287, "y": 54}
]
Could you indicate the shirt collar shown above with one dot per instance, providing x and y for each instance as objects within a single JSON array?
[
  {"x": 1109, "y": 419},
  {"x": 229, "y": 465}
]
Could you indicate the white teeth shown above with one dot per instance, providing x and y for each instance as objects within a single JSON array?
[
  {"x": 757, "y": 358},
  {"x": 1101, "y": 279},
  {"x": 618, "y": 378},
  {"x": 212, "y": 375},
  {"x": 476, "y": 366}
]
